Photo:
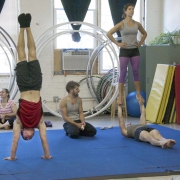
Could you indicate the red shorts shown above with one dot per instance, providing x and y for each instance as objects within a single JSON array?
[{"x": 29, "y": 113}]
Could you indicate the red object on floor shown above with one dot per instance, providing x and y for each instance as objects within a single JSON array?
[{"x": 177, "y": 92}]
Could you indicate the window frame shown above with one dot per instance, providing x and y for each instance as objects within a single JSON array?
[
  {"x": 94, "y": 20},
  {"x": 97, "y": 19}
]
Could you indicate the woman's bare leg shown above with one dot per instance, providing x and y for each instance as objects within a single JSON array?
[
  {"x": 121, "y": 94},
  {"x": 138, "y": 94},
  {"x": 143, "y": 114}
]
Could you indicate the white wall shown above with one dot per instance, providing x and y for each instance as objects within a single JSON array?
[
  {"x": 8, "y": 21},
  {"x": 154, "y": 18},
  {"x": 161, "y": 16},
  {"x": 171, "y": 16},
  {"x": 8, "y": 18}
]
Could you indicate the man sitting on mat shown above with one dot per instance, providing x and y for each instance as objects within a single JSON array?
[
  {"x": 142, "y": 132},
  {"x": 72, "y": 113},
  {"x": 29, "y": 81}
]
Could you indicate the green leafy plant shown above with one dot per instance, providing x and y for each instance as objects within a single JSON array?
[
  {"x": 176, "y": 33},
  {"x": 176, "y": 36},
  {"x": 167, "y": 38}
]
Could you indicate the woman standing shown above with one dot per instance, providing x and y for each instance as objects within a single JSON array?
[
  {"x": 128, "y": 48},
  {"x": 8, "y": 110}
]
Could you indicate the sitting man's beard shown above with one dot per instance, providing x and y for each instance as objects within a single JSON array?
[{"x": 75, "y": 95}]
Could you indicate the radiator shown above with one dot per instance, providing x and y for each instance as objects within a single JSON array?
[{"x": 75, "y": 59}]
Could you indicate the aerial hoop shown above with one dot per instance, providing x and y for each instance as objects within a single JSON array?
[
  {"x": 100, "y": 35},
  {"x": 91, "y": 62},
  {"x": 10, "y": 50}
]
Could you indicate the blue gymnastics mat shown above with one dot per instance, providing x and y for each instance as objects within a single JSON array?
[{"x": 107, "y": 155}]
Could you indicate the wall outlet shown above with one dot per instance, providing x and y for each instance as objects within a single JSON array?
[{"x": 55, "y": 98}]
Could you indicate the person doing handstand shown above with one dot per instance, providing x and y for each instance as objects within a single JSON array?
[
  {"x": 29, "y": 81},
  {"x": 142, "y": 132}
]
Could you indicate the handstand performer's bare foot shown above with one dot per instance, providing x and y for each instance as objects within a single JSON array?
[{"x": 140, "y": 99}]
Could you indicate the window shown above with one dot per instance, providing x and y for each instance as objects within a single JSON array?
[
  {"x": 107, "y": 24},
  {"x": 98, "y": 14},
  {"x": 86, "y": 40},
  {"x": 5, "y": 66},
  {"x": 8, "y": 19}
]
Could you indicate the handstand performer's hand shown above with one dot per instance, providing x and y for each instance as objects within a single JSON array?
[
  {"x": 10, "y": 158},
  {"x": 44, "y": 157}
]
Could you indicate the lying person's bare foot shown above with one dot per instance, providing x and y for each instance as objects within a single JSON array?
[
  {"x": 164, "y": 144},
  {"x": 171, "y": 143}
]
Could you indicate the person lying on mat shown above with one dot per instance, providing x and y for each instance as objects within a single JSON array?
[
  {"x": 72, "y": 113},
  {"x": 8, "y": 110},
  {"x": 29, "y": 81},
  {"x": 142, "y": 132}
]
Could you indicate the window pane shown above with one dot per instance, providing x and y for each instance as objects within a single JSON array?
[
  {"x": 4, "y": 68},
  {"x": 87, "y": 41},
  {"x": 106, "y": 19},
  {"x": 107, "y": 63},
  {"x": 58, "y": 4},
  {"x": 89, "y": 18},
  {"x": 107, "y": 24},
  {"x": 93, "y": 4},
  {"x": 62, "y": 18}
]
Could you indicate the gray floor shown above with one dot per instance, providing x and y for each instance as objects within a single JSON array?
[{"x": 106, "y": 121}]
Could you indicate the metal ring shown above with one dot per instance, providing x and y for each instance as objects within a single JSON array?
[{"x": 44, "y": 39}]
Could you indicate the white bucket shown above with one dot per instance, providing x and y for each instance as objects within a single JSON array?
[{"x": 176, "y": 39}]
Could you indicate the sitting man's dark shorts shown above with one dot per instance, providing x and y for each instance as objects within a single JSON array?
[
  {"x": 29, "y": 76},
  {"x": 139, "y": 130}
]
